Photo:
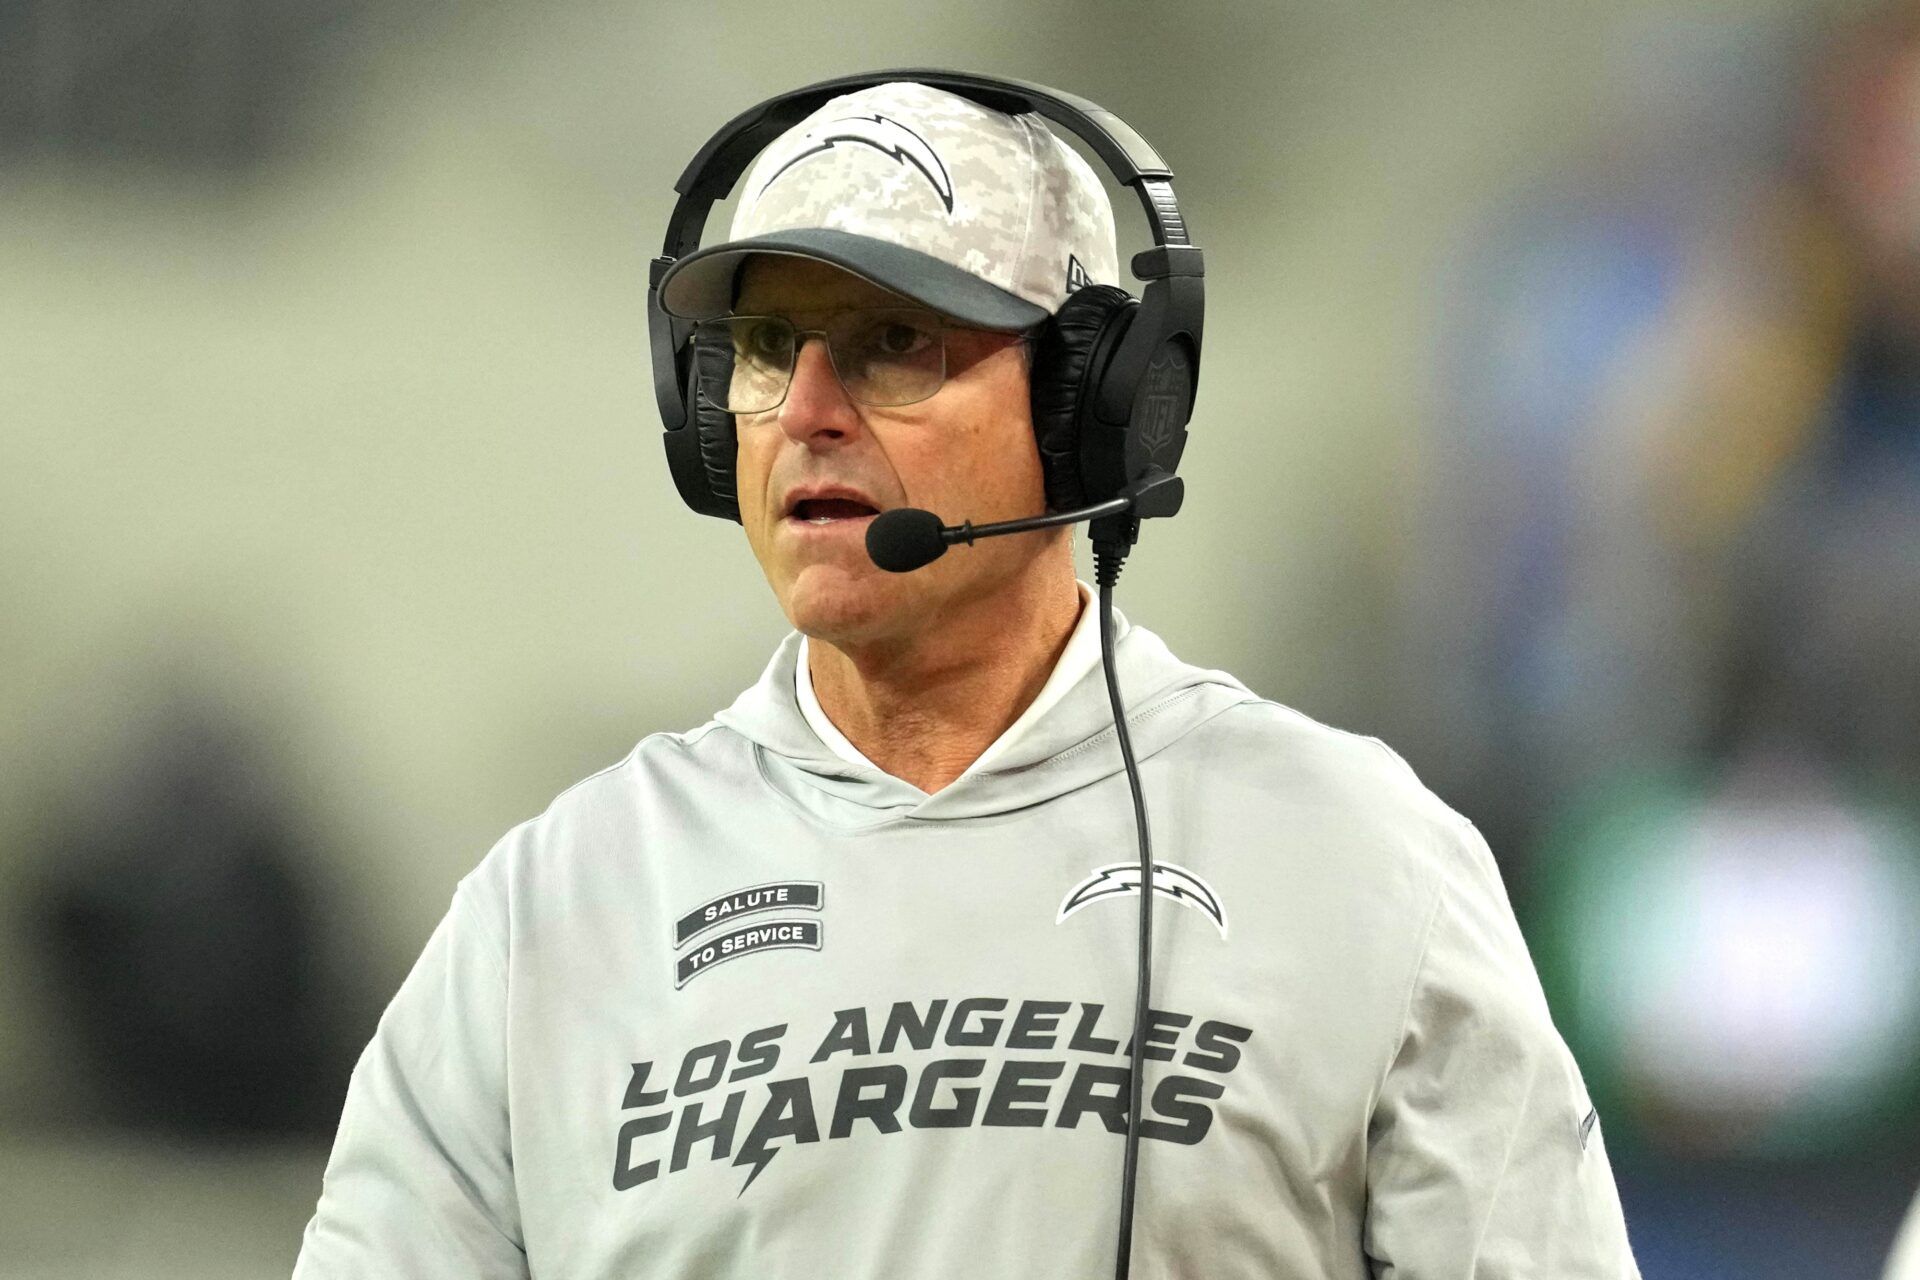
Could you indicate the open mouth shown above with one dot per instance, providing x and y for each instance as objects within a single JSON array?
[{"x": 828, "y": 510}]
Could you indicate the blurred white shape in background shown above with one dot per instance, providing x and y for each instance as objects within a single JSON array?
[
  {"x": 1785, "y": 972},
  {"x": 1905, "y": 1262},
  {"x": 1750, "y": 958}
]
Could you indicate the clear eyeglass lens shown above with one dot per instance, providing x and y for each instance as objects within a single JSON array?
[{"x": 883, "y": 356}]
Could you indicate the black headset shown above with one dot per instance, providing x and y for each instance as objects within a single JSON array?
[{"x": 1113, "y": 377}]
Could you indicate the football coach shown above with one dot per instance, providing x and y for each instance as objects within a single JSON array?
[{"x": 842, "y": 983}]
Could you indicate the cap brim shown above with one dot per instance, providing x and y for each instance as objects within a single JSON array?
[{"x": 700, "y": 285}]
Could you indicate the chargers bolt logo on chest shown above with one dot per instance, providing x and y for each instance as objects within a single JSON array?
[{"x": 1169, "y": 880}]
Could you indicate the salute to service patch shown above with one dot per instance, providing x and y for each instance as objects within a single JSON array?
[
  {"x": 757, "y": 937},
  {"x": 779, "y": 895}
]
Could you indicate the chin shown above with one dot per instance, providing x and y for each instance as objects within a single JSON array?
[{"x": 837, "y": 603}]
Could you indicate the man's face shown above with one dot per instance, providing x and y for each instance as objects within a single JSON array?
[{"x": 966, "y": 453}]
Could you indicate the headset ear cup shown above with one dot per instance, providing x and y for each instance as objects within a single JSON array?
[
  {"x": 719, "y": 445},
  {"x": 1083, "y": 331}
]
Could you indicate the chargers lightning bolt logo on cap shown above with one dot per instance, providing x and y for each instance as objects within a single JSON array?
[
  {"x": 1175, "y": 882},
  {"x": 889, "y": 137}
]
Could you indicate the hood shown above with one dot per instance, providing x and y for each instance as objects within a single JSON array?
[{"x": 1071, "y": 746}]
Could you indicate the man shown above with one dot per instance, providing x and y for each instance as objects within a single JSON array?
[{"x": 838, "y": 983}]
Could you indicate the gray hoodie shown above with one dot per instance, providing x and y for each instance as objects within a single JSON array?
[{"x": 736, "y": 1007}]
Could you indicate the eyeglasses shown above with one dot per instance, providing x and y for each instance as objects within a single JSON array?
[{"x": 883, "y": 356}]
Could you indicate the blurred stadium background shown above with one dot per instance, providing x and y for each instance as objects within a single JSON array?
[{"x": 1561, "y": 426}]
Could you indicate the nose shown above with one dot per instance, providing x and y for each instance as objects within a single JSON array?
[{"x": 817, "y": 408}]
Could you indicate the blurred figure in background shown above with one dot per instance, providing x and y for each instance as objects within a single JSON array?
[
  {"x": 177, "y": 915},
  {"x": 1674, "y": 598}
]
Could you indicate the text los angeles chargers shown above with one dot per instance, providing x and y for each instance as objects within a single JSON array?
[{"x": 722, "y": 1105}]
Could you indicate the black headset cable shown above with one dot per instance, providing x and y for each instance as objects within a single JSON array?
[{"x": 1107, "y": 561}]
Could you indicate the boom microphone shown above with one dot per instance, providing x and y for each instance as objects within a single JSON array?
[{"x": 905, "y": 538}]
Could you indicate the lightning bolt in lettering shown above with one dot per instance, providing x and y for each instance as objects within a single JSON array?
[{"x": 759, "y": 1159}]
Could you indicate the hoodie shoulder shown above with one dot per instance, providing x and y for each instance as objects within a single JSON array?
[
  {"x": 1332, "y": 753},
  {"x": 1371, "y": 788},
  {"x": 606, "y": 811}
]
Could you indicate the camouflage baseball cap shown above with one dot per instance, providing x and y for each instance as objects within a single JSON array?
[{"x": 985, "y": 217}]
